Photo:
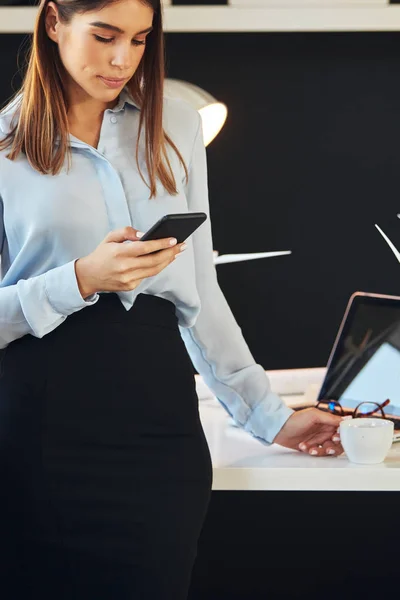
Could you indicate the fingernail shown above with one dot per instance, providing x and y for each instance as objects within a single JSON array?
[
  {"x": 183, "y": 247},
  {"x": 173, "y": 241},
  {"x": 139, "y": 234},
  {"x": 313, "y": 452},
  {"x": 330, "y": 451},
  {"x": 336, "y": 438},
  {"x": 302, "y": 447}
]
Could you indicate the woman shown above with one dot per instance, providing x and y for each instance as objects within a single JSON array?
[{"x": 105, "y": 471}]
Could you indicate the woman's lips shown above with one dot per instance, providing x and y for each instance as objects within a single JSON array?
[{"x": 112, "y": 83}]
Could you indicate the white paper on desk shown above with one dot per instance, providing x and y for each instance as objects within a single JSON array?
[
  {"x": 232, "y": 258},
  {"x": 389, "y": 242},
  {"x": 295, "y": 381}
]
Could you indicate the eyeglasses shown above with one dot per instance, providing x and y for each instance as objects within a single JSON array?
[{"x": 363, "y": 409}]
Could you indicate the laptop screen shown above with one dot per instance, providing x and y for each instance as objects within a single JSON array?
[{"x": 365, "y": 364}]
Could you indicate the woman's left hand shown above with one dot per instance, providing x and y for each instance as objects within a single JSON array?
[{"x": 312, "y": 431}]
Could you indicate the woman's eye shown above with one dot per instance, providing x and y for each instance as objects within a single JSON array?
[
  {"x": 109, "y": 40},
  {"x": 103, "y": 40}
]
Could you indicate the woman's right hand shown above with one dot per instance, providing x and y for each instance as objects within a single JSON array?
[{"x": 115, "y": 267}]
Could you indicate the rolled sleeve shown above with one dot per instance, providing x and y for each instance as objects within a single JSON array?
[
  {"x": 63, "y": 291},
  {"x": 39, "y": 304},
  {"x": 215, "y": 342}
]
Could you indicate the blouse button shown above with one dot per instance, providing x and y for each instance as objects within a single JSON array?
[{"x": 113, "y": 119}]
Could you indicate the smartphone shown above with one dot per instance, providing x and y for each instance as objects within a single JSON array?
[{"x": 178, "y": 225}]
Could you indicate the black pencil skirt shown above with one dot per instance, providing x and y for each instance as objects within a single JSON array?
[{"x": 105, "y": 472}]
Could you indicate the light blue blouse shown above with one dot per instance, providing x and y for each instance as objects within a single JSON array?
[{"x": 48, "y": 222}]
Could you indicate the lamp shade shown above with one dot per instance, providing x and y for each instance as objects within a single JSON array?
[{"x": 212, "y": 112}]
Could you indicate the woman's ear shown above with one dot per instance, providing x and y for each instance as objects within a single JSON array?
[{"x": 51, "y": 21}]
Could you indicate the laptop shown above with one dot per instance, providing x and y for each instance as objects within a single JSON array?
[{"x": 364, "y": 363}]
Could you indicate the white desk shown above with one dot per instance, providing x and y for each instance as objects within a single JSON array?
[{"x": 240, "y": 462}]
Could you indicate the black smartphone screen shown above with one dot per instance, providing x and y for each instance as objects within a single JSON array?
[{"x": 179, "y": 226}]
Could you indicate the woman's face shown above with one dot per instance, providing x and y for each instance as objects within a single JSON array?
[{"x": 101, "y": 49}]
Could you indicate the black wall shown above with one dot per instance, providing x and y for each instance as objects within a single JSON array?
[{"x": 308, "y": 160}]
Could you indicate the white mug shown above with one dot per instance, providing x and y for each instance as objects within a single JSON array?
[{"x": 366, "y": 440}]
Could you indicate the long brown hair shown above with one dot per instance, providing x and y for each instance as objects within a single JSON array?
[{"x": 43, "y": 106}]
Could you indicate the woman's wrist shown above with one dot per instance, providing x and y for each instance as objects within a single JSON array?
[{"x": 84, "y": 287}]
